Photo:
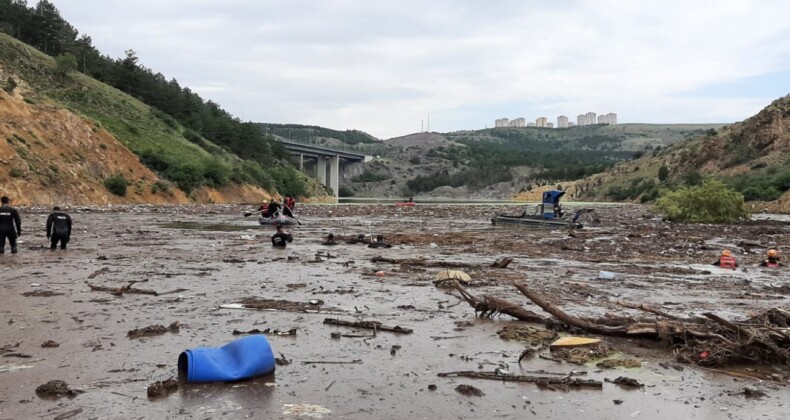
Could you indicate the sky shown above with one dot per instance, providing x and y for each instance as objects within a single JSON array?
[{"x": 384, "y": 67}]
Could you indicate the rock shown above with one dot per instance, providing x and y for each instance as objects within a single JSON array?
[
  {"x": 162, "y": 389},
  {"x": 50, "y": 344},
  {"x": 56, "y": 389},
  {"x": 469, "y": 390}
]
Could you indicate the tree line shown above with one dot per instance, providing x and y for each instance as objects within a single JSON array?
[{"x": 42, "y": 27}]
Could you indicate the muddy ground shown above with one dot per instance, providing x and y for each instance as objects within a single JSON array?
[{"x": 221, "y": 257}]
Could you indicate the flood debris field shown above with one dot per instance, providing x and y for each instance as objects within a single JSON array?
[{"x": 374, "y": 333}]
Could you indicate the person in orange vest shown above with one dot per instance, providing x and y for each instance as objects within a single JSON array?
[
  {"x": 771, "y": 259},
  {"x": 726, "y": 260}
]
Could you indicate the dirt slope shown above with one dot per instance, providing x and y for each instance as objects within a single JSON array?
[{"x": 50, "y": 155}]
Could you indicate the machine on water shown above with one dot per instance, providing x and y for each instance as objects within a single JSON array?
[{"x": 547, "y": 214}]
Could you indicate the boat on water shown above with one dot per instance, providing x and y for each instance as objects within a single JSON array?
[
  {"x": 548, "y": 214},
  {"x": 277, "y": 220}
]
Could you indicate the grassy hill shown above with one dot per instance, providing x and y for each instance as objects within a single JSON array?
[
  {"x": 313, "y": 134},
  {"x": 178, "y": 164},
  {"x": 753, "y": 156},
  {"x": 501, "y": 162}
]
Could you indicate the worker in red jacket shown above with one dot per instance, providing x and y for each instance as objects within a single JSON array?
[{"x": 726, "y": 260}]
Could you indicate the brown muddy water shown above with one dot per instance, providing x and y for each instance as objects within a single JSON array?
[{"x": 207, "y": 251}]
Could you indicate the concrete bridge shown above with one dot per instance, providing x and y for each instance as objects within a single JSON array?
[{"x": 327, "y": 161}]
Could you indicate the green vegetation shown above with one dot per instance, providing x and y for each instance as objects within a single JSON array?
[
  {"x": 310, "y": 133},
  {"x": 65, "y": 64},
  {"x": 663, "y": 173},
  {"x": 472, "y": 178},
  {"x": 10, "y": 85},
  {"x": 711, "y": 202},
  {"x": 16, "y": 173},
  {"x": 762, "y": 185},
  {"x": 117, "y": 185},
  {"x": 345, "y": 192},
  {"x": 369, "y": 176},
  {"x": 645, "y": 189},
  {"x": 197, "y": 142}
]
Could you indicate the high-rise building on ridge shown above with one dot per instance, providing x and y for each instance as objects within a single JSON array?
[{"x": 589, "y": 118}]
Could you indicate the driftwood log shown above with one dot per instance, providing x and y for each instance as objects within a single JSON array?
[
  {"x": 713, "y": 341},
  {"x": 368, "y": 325},
  {"x": 422, "y": 262},
  {"x": 119, "y": 291},
  {"x": 540, "y": 380},
  {"x": 488, "y": 306}
]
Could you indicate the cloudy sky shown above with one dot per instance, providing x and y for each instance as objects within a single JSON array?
[{"x": 382, "y": 67}]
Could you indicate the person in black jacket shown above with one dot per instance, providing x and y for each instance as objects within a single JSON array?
[
  {"x": 281, "y": 239},
  {"x": 9, "y": 219},
  {"x": 58, "y": 228}
]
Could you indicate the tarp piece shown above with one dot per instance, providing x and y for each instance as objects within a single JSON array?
[{"x": 244, "y": 358}]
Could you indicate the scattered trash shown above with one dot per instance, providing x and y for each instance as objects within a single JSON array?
[
  {"x": 380, "y": 274},
  {"x": 154, "y": 330},
  {"x": 564, "y": 382},
  {"x": 370, "y": 325},
  {"x": 162, "y": 389},
  {"x": 615, "y": 363},
  {"x": 453, "y": 274},
  {"x": 625, "y": 382},
  {"x": 57, "y": 389},
  {"x": 526, "y": 334},
  {"x": 282, "y": 361},
  {"x": 432, "y": 387},
  {"x": 606, "y": 275},
  {"x": 267, "y": 331},
  {"x": 617, "y": 402},
  {"x": 469, "y": 390},
  {"x": 306, "y": 410},
  {"x": 752, "y": 392},
  {"x": 570, "y": 342},
  {"x": 41, "y": 293}
]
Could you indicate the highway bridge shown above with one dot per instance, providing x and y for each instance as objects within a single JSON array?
[{"x": 328, "y": 162}]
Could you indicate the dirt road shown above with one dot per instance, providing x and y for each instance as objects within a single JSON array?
[{"x": 220, "y": 257}]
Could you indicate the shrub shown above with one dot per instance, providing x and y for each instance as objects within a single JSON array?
[
  {"x": 65, "y": 64},
  {"x": 193, "y": 136},
  {"x": 117, "y": 185},
  {"x": 10, "y": 85},
  {"x": 16, "y": 173},
  {"x": 663, "y": 173},
  {"x": 345, "y": 192},
  {"x": 711, "y": 202},
  {"x": 415, "y": 160}
]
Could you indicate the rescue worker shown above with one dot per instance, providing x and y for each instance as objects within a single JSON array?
[
  {"x": 287, "y": 209},
  {"x": 771, "y": 259},
  {"x": 281, "y": 239},
  {"x": 264, "y": 209},
  {"x": 9, "y": 219},
  {"x": 379, "y": 243},
  {"x": 274, "y": 208},
  {"x": 726, "y": 260},
  {"x": 290, "y": 202},
  {"x": 330, "y": 240},
  {"x": 58, "y": 229}
]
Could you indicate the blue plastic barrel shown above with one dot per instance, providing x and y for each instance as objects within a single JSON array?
[{"x": 244, "y": 358}]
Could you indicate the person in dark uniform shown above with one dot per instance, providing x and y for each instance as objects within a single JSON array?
[
  {"x": 9, "y": 220},
  {"x": 330, "y": 240},
  {"x": 379, "y": 243},
  {"x": 274, "y": 208},
  {"x": 281, "y": 239},
  {"x": 58, "y": 229}
]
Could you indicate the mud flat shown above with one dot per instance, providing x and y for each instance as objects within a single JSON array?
[{"x": 204, "y": 262}]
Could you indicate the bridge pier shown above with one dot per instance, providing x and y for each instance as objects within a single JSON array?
[
  {"x": 334, "y": 174},
  {"x": 321, "y": 165}
]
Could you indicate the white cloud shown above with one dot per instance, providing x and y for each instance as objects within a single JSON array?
[{"x": 382, "y": 66}]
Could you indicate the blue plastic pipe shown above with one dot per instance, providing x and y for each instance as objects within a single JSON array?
[{"x": 244, "y": 358}]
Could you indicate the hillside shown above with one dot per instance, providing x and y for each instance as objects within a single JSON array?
[
  {"x": 65, "y": 133},
  {"x": 501, "y": 162},
  {"x": 313, "y": 134},
  {"x": 753, "y": 156}
]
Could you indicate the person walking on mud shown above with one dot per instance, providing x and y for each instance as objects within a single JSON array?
[
  {"x": 10, "y": 225},
  {"x": 281, "y": 239},
  {"x": 58, "y": 229}
]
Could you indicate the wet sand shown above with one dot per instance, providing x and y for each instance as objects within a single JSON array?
[{"x": 218, "y": 262}]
